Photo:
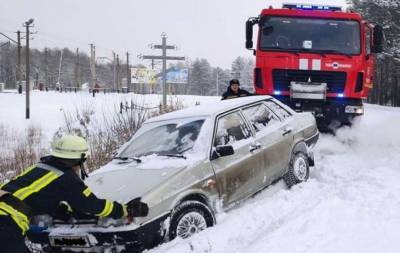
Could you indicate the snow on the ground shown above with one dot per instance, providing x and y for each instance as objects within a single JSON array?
[
  {"x": 48, "y": 109},
  {"x": 350, "y": 204}
]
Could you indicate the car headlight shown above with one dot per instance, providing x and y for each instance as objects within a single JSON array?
[
  {"x": 354, "y": 109},
  {"x": 107, "y": 222}
]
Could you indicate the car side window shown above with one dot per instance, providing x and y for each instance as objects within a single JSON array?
[
  {"x": 231, "y": 128},
  {"x": 260, "y": 116},
  {"x": 279, "y": 110}
]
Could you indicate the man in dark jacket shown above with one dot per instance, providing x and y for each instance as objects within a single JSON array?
[
  {"x": 42, "y": 187},
  {"x": 234, "y": 90}
]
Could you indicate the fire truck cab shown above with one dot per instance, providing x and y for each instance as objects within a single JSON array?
[{"x": 315, "y": 58}]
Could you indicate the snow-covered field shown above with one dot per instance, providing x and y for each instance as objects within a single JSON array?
[
  {"x": 48, "y": 109},
  {"x": 350, "y": 204}
]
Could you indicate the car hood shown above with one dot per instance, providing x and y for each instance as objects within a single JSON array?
[{"x": 123, "y": 181}]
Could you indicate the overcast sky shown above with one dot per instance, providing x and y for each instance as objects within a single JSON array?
[{"x": 212, "y": 29}]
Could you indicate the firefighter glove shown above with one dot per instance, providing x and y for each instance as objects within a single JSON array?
[{"x": 136, "y": 208}]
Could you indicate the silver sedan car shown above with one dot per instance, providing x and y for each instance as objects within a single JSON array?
[{"x": 188, "y": 165}]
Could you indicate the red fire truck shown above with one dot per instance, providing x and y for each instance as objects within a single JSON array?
[{"x": 315, "y": 58}]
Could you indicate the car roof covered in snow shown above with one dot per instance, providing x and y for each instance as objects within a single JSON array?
[{"x": 209, "y": 109}]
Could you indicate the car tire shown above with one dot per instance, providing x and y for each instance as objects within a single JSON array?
[
  {"x": 299, "y": 170},
  {"x": 190, "y": 217}
]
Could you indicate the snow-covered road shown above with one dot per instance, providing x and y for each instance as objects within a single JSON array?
[{"x": 350, "y": 204}]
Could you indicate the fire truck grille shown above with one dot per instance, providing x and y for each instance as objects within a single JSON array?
[{"x": 335, "y": 81}]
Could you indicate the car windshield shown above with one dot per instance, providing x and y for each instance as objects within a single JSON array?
[
  {"x": 310, "y": 35},
  {"x": 168, "y": 139}
]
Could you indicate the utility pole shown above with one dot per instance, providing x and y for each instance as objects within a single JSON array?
[
  {"x": 164, "y": 47},
  {"x": 27, "y": 25},
  {"x": 114, "y": 71},
  {"x": 93, "y": 64},
  {"x": 118, "y": 74},
  {"x": 128, "y": 73},
  {"x": 77, "y": 70},
  {"x": 217, "y": 82},
  {"x": 19, "y": 47},
  {"x": 46, "y": 69},
  {"x": 59, "y": 70}
]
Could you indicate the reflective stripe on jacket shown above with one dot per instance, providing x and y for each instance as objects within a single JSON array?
[{"x": 44, "y": 185}]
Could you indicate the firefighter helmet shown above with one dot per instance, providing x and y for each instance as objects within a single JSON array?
[{"x": 70, "y": 147}]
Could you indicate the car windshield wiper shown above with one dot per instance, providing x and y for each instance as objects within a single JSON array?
[
  {"x": 330, "y": 51},
  {"x": 173, "y": 155},
  {"x": 306, "y": 50},
  {"x": 295, "y": 51},
  {"x": 127, "y": 159}
]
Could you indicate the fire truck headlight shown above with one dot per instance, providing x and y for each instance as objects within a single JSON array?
[
  {"x": 340, "y": 95},
  {"x": 277, "y": 92}
]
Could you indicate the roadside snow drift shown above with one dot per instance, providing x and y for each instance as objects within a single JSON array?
[{"x": 350, "y": 204}]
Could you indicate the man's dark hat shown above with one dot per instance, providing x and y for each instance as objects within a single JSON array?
[{"x": 234, "y": 81}]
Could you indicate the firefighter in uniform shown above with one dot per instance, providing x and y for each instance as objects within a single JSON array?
[
  {"x": 234, "y": 91},
  {"x": 42, "y": 187}
]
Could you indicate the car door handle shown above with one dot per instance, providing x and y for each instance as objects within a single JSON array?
[
  {"x": 287, "y": 130},
  {"x": 254, "y": 147}
]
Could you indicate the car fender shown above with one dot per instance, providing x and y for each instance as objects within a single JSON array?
[
  {"x": 194, "y": 194},
  {"x": 298, "y": 146}
]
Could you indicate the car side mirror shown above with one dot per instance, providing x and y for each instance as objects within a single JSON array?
[
  {"x": 378, "y": 39},
  {"x": 221, "y": 151},
  {"x": 249, "y": 34}
]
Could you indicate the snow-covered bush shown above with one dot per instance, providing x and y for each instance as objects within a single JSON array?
[{"x": 19, "y": 150}]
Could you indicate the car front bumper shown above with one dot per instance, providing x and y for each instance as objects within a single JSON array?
[{"x": 70, "y": 238}]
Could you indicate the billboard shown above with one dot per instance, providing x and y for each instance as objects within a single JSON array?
[
  {"x": 179, "y": 76},
  {"x": 143, "y": 75}
]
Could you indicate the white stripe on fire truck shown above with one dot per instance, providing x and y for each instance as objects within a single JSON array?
[
  {"x": 303, "y": 64},
  {"x": 316, "y": 64}
]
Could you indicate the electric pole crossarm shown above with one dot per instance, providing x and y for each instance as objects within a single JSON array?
[
  {"x": 161, "y": 47},
  {"x": 152, "y": 57},
  {"x": 178, "y": 58}
]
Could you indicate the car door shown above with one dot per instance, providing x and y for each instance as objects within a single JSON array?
[
  {"x": 283, "y": 136},
  {"x": 266, "y": 126},
  {"x": 236, "y": 174}
]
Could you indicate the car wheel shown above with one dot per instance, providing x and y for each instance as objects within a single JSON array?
[
  {"x": 189, "y": 218},
  {"x": 299, "y": 170}
]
